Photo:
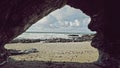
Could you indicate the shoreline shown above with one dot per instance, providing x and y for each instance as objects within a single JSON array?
[{"x": 72, "y": 38}]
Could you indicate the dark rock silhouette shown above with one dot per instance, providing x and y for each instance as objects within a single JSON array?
[{"x": 18, "y": 15}]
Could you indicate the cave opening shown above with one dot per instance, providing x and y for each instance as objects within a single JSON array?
[
  {"x": 61, "y": 36},
  {"x": 17, "y": 16},
  {"x": 67, "y": 20}
]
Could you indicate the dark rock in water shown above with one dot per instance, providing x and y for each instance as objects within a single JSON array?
[
  {"x": 25, "y": 40},
  {"x": 54, "y": 40},
  {"x": 73, "y": 35},
  {"x": 87, "y": 37},
  {"x": 72, "y": 38},
  {"x": 18, "y": 15}
]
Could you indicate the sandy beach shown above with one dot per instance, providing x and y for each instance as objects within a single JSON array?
[{"x": 54, "y": 55}]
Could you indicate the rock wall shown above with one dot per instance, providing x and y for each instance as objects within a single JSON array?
[
  {"x": 18, "y": 15},
  {"x": 107, "y": 39},
  {"x": 105, "y": 21}
]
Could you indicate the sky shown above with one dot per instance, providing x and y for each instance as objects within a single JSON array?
[{"x": 66, "y": 19}]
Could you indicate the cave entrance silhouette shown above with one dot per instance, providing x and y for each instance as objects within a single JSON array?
[
  {"x": 78, "y": 21},
  {"x": 18, "y": 15}
]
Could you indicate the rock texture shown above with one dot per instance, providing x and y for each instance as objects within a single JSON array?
[
  {"x": 18, "y": 15},
  {"x": 105, "y": 21}
]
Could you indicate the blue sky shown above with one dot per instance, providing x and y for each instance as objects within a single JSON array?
[{"x": 66, "y": 19}]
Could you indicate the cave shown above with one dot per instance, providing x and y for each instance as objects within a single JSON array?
[{"x": 17, "y": 16}]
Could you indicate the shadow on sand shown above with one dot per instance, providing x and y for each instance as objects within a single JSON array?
[{"x": 46, "y": 64}]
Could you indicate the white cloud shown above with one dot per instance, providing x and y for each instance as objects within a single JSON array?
[
  {"x": 67, "y": 24},
  {"x": 64, "y": 19},
  {"x": 76, "y": 23}
]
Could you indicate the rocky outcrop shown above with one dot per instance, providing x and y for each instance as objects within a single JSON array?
[
  {"x": 105, "y": 21},
  {"x": 18, "y": 15},
  {"x": 87, "y": 37},
  {"x": 106, "y": 24}
]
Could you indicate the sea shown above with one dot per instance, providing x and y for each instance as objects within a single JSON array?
[{"x": 49, "y": 35}]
